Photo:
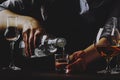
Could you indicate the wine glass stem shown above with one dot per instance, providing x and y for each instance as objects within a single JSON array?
[
  {"x": 108, "y": 68},
  {"x": 118, "y": 63},
  {"x": 12, "y": 54}
]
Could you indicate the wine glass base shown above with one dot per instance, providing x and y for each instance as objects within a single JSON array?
[
  {"x": 116, "y": 69},
  {"x": 108, "y": 72},
  {"x": 14, "y": 68}
]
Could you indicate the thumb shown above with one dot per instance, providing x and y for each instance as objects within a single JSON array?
[{"x": 76, "y": 66}]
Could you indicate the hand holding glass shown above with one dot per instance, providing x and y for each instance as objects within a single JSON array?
[
  {"x": 108, "y": 49},
  {"x": 61, "y": 60}
]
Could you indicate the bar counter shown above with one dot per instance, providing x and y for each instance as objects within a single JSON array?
[
  {"x": 37, "y": 75},
  {"x": 43, "y": 69}
]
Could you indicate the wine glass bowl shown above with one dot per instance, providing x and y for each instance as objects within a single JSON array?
[
  {"x": 11, "y": 34},
  {"x": 108, "y": 52}
]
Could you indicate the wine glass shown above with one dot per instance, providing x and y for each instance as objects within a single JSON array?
[
  {"x": 117, "y": 66},
  {"x": 110, "y": 47},
  {"x": 12, "y": 35}
]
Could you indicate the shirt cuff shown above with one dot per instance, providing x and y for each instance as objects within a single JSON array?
[
  {"x": 83, "y": 6},
  {"x": 2, "y": 8}
]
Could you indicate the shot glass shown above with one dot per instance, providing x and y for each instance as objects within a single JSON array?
[{"x": 61, "y": 61}]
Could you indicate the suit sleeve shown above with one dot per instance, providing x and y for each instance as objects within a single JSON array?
[
  {"x": 13, "y": 5},
  {"x": 115, "y": 13}
]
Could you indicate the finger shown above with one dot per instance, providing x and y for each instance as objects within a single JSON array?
[
  {"x": 78, "y": 65},
  {"x": 76, "y": 55},
  {"x": 36, "y": 38},
  {"x": 72, "y": 65},
  {"x": 115, "y": 53},
  {"x": 31, "y": 43},
  {"x": 25, "y": 39},
  {"x": 72, "y": 56},
  {"x": 80, "y": 54}
]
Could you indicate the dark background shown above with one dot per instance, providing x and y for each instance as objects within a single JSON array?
[{"x": 65, "y": 21}]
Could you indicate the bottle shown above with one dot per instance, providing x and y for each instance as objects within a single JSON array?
[
  {"x": 60, "y": 42},
  {"x": 49, "y": 46}
]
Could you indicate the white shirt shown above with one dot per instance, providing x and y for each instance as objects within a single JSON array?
[{"x": 83, "y": 6}]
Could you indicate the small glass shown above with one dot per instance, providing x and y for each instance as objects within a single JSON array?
[{"x": 61, "y": 61}]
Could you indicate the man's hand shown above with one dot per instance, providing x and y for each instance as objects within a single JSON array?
[
  {"x": 31, "y": 34},
  {"x": 77, "y": 62},
  {"x": 30, "y": 27}
]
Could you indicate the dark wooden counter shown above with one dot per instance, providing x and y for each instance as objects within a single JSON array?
[{"x": 40, "y": 75}]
